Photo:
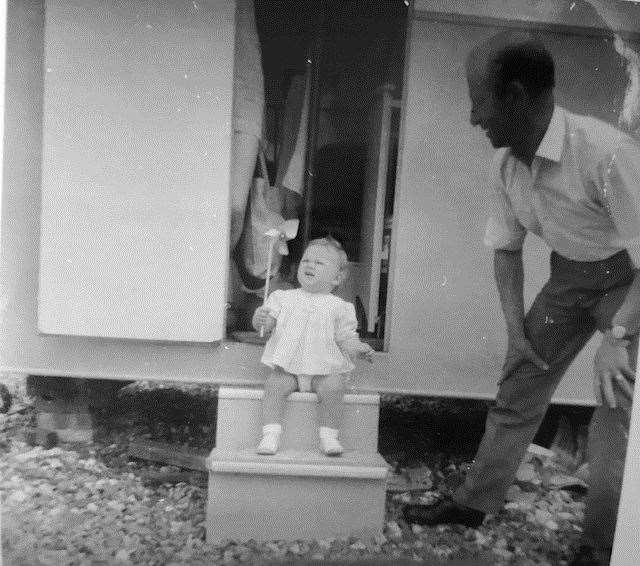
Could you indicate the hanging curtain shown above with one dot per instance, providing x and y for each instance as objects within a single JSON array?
[{"x": 293, "y": 145}]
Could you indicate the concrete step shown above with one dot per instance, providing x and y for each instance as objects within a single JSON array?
[
  {"x": 239, "y": 424},
  {"x": 294, "y": 494}
]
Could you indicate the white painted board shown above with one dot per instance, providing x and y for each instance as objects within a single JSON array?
[
  {"x": 373, "y": 200},
  {"x": 135, "y": 169}
]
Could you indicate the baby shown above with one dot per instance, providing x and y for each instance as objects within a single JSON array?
[{"x": 312, "y": 345}]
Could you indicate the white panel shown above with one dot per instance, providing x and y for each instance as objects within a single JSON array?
[
  {"x": 446, "y": 326},
  {"x": 447, "y": 330},
  {"x": 373, "y": 200},
  {"x": 3, "y": 43},
  {"x": 625, "y": 542},
  {"x": 623, "y": 15},
  {"x": 135, "y": 171}
]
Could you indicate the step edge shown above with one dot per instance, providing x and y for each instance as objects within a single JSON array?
[
  {"x": 256, "y": 394},
  {"x": 300, "y": 470},
  {"x": 374, "y": 467}
]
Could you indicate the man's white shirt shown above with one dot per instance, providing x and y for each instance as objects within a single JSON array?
[{"x": 581, "y": 194}]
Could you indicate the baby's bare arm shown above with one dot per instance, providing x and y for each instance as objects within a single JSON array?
[{"x": 357, "y": 349}]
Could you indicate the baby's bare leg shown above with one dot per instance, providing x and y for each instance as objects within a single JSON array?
[
  {"x": 278, "y": 386},
  {"x": 330, "y": 390},
  {"x": 276, "y": 390}
]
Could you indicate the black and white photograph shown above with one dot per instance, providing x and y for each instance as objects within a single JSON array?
[{"x": 319, "y": 282}]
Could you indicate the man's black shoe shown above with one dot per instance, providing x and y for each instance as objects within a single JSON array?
[
  {"x": 588, "y": 556},
  {"x": 445, "y": 511}
]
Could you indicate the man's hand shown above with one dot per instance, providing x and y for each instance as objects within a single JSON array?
[
  {"x": 611, "y": 366},
  {"x": 262, "y": 319},
  {"x": 360, "y": 350},
  {"x": 519, "y": 350}
]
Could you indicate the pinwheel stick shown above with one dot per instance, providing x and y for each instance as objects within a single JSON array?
[{"x": 266, "y": 285}]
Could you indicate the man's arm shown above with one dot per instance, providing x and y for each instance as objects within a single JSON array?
[
  {"x": 611, "y": 362},
  {"x": 509, "y": 274},
  {"x": 621, "y": 193}
]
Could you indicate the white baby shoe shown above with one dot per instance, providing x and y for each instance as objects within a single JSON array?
[
  {"x": 329, "y": 441},
  {"x": 270, "y": 439}
]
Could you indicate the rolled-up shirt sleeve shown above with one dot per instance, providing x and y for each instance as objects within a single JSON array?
[
  {"x": 503, "y": 231},
  {"x": 621, "y": 193}
]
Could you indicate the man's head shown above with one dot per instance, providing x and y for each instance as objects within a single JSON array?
[{"x": 511, "y": 80}]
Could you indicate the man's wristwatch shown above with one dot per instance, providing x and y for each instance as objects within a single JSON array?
[{"x": 619, "y": 332}]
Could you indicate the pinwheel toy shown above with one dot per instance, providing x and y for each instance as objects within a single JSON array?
[{"x": 279, "y": 237}]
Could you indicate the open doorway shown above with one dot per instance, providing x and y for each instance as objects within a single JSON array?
[{"x": 346, "y": 60}]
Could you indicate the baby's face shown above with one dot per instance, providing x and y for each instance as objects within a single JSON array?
[{"x": 319, "y": 269}]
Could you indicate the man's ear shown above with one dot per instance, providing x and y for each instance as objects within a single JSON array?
[{"x": 514, "y": 93}]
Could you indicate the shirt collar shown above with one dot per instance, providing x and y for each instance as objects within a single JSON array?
[{"x": 553, "y": 141}]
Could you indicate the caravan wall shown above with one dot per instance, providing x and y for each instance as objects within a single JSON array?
[{"x": 445, "y": 332}]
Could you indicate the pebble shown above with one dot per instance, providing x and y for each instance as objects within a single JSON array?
[
  {"x": 527, "y": 473},
  {"x": 542, "y": 516},
  {"x": 244, "y": 554},
  {"x": 380, "y": 539},
  {"x": 116, "y": 506},
  {"x": 18, "y": 497},
  {"x": 123, "y": 555},
  {"x": 393, "y": 530},
  {"x": 503, "y": 553},
  {"x": 429, "y": 498}
]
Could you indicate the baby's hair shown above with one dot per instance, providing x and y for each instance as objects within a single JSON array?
[{"x": 332, "y": 243}]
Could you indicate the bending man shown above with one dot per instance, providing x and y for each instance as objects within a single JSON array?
[{"x": 575, "y": 182}]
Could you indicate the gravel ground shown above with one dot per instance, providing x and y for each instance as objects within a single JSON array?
[{"x": 92, "y": 505}]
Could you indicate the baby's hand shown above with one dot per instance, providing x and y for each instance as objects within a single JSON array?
[
  {"x": 262, "y": 319},
  {"x": 362, "y": 350}
]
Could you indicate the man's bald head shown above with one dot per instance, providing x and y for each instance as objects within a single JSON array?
[
  {"x": 513, "y": 56},
  {"x": 511, "y": 79}
]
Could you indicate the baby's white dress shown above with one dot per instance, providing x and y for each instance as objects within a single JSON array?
[{"x": 309, "y": 330}]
